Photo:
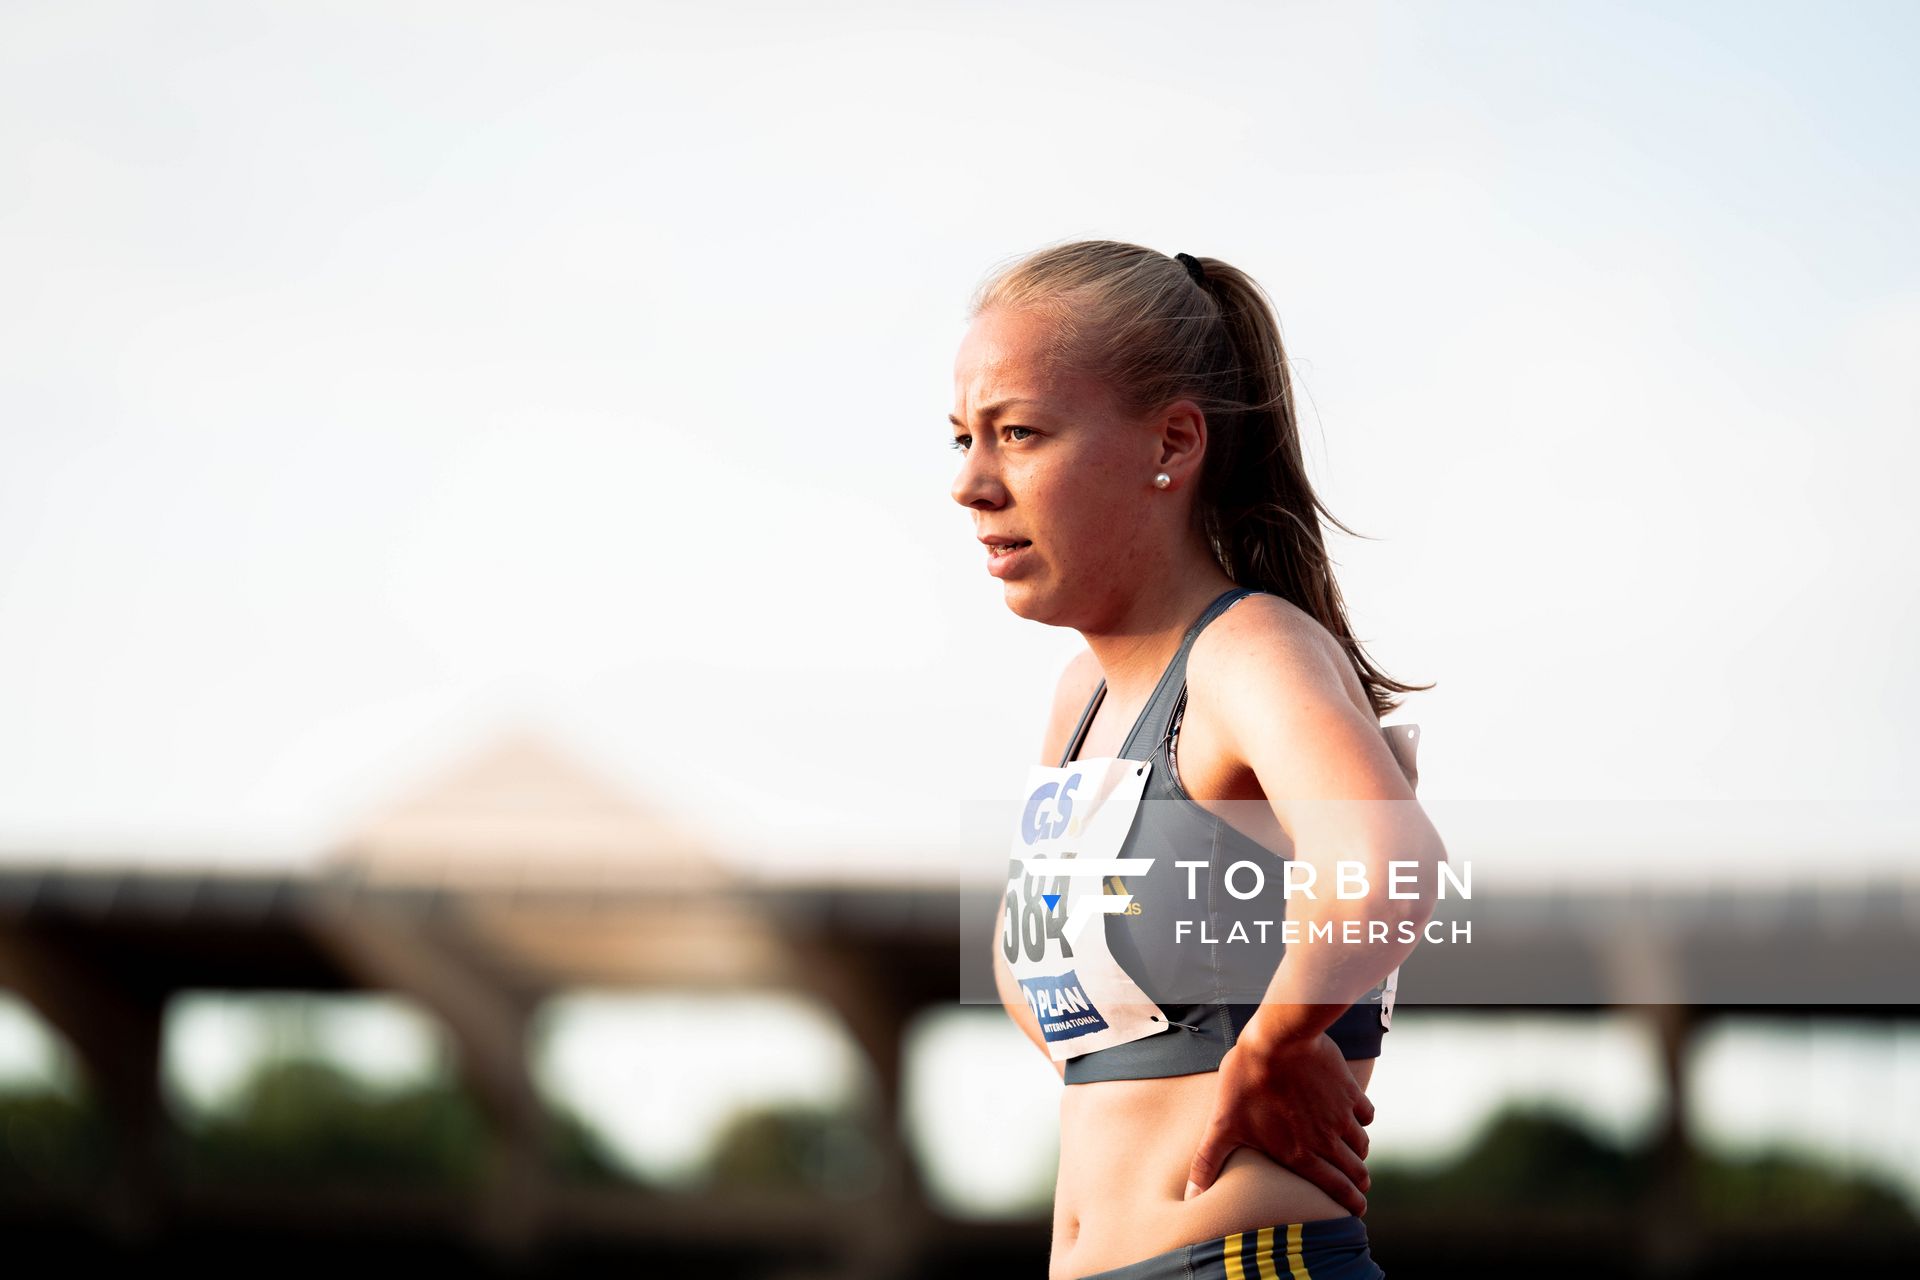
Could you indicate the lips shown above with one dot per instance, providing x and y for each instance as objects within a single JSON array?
[{"x": 1007, "y": 557}]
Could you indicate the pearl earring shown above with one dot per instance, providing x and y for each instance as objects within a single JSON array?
[{"x": 1162, "y": 480}]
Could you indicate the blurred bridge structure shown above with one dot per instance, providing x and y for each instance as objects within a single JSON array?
[{"x": 520, "y": 876}]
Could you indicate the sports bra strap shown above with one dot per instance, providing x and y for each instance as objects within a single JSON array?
[
  {"x": 1170, "y": 723},
  {"x": 1080, "y": 730},
  {"x": 1170, "y": 692}
]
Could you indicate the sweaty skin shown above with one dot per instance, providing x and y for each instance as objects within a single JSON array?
[{"x": 1126, "y": 1145}]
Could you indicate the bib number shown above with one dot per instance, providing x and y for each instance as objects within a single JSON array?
[{"x": 1033, "y": 924}]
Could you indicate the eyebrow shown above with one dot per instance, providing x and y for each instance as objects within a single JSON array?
[{"x": 994, "y": 409}]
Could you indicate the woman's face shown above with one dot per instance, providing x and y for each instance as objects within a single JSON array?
[{"x": 1049, "y": 461}]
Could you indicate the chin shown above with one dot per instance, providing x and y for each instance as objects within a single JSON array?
[{"x": 1030, "y": 601}]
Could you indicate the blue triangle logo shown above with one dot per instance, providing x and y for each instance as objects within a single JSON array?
[{"x": 1053, "y": 900}]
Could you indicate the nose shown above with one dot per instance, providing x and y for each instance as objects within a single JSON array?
[{"x": 978, "y": 486}]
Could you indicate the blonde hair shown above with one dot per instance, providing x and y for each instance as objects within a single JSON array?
[{"x": 1139, "y": 323}]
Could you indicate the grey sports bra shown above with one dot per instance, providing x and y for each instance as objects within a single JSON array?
[{"x": 1171, "y": 826}]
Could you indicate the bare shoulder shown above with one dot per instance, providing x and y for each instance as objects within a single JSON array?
[
  {"x": 1078, "y": 680},
  {"x": 1277, "y": 635}
]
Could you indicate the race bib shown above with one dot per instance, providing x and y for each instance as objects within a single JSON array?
[{"x": 1072, "y": 826}]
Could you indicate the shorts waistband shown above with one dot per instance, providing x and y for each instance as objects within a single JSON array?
[{"x": 1325, "y": 1249}]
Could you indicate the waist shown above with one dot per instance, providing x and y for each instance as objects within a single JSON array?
[
  {"x": 1327, "y": 1249},
  {"x": 1126, "y": 1147}
]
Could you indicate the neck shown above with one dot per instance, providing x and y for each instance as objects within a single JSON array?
[{"x": 1140, "y": 629}]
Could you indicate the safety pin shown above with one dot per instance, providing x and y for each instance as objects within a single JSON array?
[{"x": 1153, "y": 1017}]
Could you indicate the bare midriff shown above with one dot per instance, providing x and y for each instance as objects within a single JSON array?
[{"x": 1125, "y": 1150}]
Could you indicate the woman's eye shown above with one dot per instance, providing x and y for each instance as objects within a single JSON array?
[{"x": 963, "y": 442}]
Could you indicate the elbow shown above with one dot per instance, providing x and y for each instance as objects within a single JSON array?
[{"x": 1412, "y": 880}]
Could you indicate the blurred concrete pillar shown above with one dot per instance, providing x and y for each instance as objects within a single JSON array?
[
  {"x": 1672, "y": 1242},
  {"x": 1644, "y": 973},
  {"x": 386, "y": 950},
  {"x": 116, "y": 1031},
  {"x": 891, "y": 1232}
]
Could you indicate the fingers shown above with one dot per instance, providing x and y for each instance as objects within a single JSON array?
[
  {"x": 1357, "y": 1139},
  {"x": 1213, "y": 1152},
  {"x": 1336, "y": 1184},
  {"x": 1364, "y": 1109},
  {"x": 1352, "y": 1166}
]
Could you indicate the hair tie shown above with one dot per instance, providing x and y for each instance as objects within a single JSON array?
[{"x": 1194, "y": 269}]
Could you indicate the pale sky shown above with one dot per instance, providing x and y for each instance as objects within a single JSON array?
[{"x": 382, "y": 375}]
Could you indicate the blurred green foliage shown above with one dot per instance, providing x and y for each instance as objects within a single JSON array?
[
  {"x": 1785, "y": 1186},
  {"x": 1523, "y": 1159},
  {"x": 579, "y": 1155},
  {"x": 305, "y": 1123},
  {"x": 798, "y": 1148},
  {"x": 293, "y": 1123},
  {"x": 1542, "y": 1158},
  {"x": 51, "y": 1142},
  {"x": 310, "y": 1123}
]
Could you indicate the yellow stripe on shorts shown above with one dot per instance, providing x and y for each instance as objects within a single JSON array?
[
  {"x": 1263, "y": 1251},
  {"x": 1232, "y": 1258},
  {"x": 1296, "y": 1264}
]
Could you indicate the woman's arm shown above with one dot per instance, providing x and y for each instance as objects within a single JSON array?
[{"x": 1274, "y": 684}]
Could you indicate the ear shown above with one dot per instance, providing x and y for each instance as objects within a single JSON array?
[{"x": 1182, "y": 428}]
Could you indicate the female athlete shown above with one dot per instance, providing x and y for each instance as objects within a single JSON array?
[{"x": 1131, "y": 461}]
